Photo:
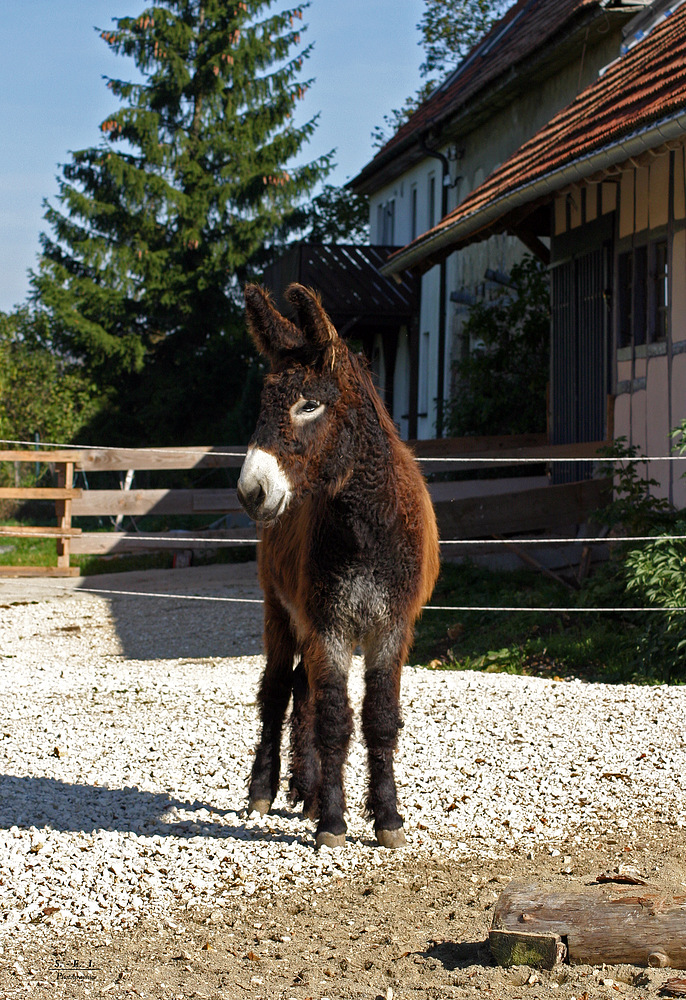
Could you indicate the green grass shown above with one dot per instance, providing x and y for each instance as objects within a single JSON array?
[{"x": 551, "y": 644}]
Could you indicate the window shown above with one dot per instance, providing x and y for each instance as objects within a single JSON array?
[
  {"x": 413, "y": 213},
  {"x": 432, "y": 201},
  {"x": 386, "y": 218},
  {"x": 423, "y": 399},
  {"x": 659, "y": 296},
  {"x": 643, "y": 294},
  {"x": 379, "y": 223},
  {"x": 625, "y": 284}
]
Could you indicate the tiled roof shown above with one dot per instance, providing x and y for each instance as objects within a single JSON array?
[
  {"x": 645, "y": 86},
  {"x": 525, "y": 27}
]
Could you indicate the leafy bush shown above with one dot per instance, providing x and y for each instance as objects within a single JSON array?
[
  {"x": 41, "y": 392},
  {"x": 500, "y": 386},
  {"x": 645, "y": 574}
]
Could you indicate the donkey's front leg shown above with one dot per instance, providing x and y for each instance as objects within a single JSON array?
[
  {"x": 305, "y": 769},
  {"x": 328, "y": 663},
  {"x": 273, "y": 696},
  {"x": 381, "y": 721}
]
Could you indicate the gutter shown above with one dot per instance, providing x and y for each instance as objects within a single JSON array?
[{"x": 666, "y": 130}]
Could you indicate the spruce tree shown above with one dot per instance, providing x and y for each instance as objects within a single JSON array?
[{"x": 156, "y": 227}]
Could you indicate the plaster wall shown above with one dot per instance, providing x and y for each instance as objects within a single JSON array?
[{"x": 482, "y": 149}]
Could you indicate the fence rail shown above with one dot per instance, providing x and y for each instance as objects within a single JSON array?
[{"x": 519, "y": 510}]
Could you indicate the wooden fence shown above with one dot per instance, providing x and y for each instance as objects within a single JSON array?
[{"x": 540, "y": 508}]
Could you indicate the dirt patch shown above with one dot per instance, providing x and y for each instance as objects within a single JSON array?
[{"x": 406, "y": 929}]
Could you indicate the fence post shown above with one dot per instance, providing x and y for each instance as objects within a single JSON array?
[{"x": 65, "y": 480}]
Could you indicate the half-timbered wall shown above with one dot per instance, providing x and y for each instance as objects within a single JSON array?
[{"x": 647, "y": 373}]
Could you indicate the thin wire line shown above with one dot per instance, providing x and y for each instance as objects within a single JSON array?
[
  {"x": 103, "y": 447},
  {"x": 427, "y": 607},
  {"x": 176, "y": 597},
  {"x": 205, "y": 539},
  {"x": 420, "y": 458}
]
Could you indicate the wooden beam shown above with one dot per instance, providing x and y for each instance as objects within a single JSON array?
[
  {"x": 121, "y": 459},
  {"x": 545, "y": 509},
  {"x": 119, "y": 542},
  {"x": 38, "y": 493},
  {"x": 29, "y": 531},
  {"x": 65, "y": 480},
  {"x": 50, "y": 571},
  {"x": 44, "y": 457},
  {"x": 534, "y": 244},
  {"x": 92, "y": 503},
  {"x": 505, "y": 455}
]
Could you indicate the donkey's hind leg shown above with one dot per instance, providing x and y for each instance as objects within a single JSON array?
[
  {"x": 381, "y": 721},
  {"x": 273, "y": 696},
  {"x": 305, "y": 769}
]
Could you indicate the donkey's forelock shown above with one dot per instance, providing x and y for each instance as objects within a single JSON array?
[{"x": 276, "y": 336}]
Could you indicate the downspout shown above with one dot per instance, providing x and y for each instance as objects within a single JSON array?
[{"x": 445, "y": 186}]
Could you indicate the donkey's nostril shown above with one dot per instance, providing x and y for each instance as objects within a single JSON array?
[{"x": 251, "y": 499}]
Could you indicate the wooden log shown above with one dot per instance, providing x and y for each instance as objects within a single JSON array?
[
  {"x": 612, "y": 924},
  {"x": 542, "y": 951}
]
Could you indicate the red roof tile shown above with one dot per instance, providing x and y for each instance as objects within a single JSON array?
[
  {"x": 645, "y": 86},
  {"x": 525, "y": 27}
]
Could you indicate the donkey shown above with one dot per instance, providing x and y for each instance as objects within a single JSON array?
[{"x": 348, "y": 556}]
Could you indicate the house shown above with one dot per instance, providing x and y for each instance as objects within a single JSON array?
[
  {"x": 532, "y": 63},
  {"x": 603, "y": 183}
]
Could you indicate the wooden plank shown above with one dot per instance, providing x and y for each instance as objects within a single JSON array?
[
  {"x": 118, "y": 459},
  {"x": 30, "y": 531},
  {"x": 506, "y": 456},
  {"x": 116, "y": 542},
  {"x": 92, "y": 503},
  {"x": 44, "y": 457},
  {"x": 50, "y": 571},
  {"x": 546, "y": 509},
  {"x": 611, "y": 924},
  {"x": 65, "y": 480},
  {"x": 439, "y": 447},
  {"x": 38, "y": 493}
]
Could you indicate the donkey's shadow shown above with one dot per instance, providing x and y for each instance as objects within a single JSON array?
[{"x": 71, "y": 808}]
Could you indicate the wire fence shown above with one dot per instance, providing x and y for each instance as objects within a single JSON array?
[{"x": 219, "y": 541}]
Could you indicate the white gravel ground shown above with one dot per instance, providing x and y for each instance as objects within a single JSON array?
[{"x": 127, "y": 725}]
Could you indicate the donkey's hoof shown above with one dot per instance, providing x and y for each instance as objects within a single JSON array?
[
  {"x": 261, "y": 806},
  {"x": 391, "y": 838},
  {"x": 326, "y": 839}
]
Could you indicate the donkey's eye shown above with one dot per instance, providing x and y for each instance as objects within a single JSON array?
[{"x": 306, "y": 409}]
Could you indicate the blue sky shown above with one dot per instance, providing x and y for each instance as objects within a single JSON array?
[{"x": 53, "y": 98}]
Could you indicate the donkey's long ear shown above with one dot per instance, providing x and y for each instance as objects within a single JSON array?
[
  {"x": 271, "y": 331},
  {"x": 315, "y": 324}
]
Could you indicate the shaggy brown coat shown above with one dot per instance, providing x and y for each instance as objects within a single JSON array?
[{"x": 349, "y": 555}]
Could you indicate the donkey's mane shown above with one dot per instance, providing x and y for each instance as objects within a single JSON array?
[{"x": 360, "y": 368}]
